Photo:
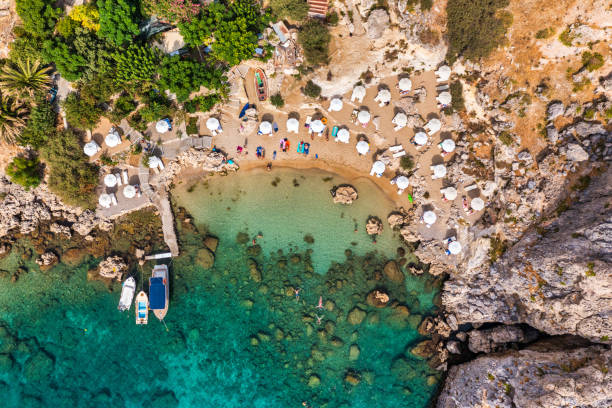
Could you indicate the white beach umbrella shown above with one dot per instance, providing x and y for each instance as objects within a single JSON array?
[
  {"x": 359, "y": 92},
  {"x": 429, "y": 217},
  {"x": 384, "y": 96},
  {"x": 445, "y": 98},
  {"x": 363, "y": 147},
  {"x": 363, "y": 117},
  {"x": 477, "y": 204},
  {"x": 91, "y": 148},
  {"x": 343, "y": 135},
  {"x": 434, "y": 125},
  {"x": 212, "y": 123},
  {"x": 439, "y": 171},
  {"x": 450, "y": 193},
  {"x": 400, "y": 119},
  {"x": 443, "y": 72},
  {"x": 162, "y": 126},
  {"x": 420, "y": 138},
  {"x": 317, "y": 126},
  {"x": 293, "y": 125},
  {"x": 265, "y": 127},
  {"x": 405, "y": 84},
  {"x": 105, "y": 200},
  {"x": 110, "y": 180},
  {"x": 129, "y": 191},
  {"x": 448, "y": 145},
  {"x": 378, "y": 168},
  {"x": 112, "y": 139},
  {"x": 336, "y": 105},
  {"x": 402, "y": 182},
  {"x": 154, "y": 162},
  {"x": 454, "y": 247}
]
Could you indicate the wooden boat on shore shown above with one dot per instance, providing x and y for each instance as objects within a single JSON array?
[
  {"x": 159, "y": 291},
  {"x": 127, "y": 294},
  {"x": 142, "y": 308},
  {"x": 261, "y": 85}
]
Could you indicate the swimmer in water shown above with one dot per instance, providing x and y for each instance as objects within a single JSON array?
[{"x": 297, "y": 293}]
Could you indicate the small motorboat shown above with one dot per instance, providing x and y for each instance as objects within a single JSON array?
[
  {"x": 127, "y": 294},
  {"x": 142, "y": 308},
  {"x": 260, "y": 84},
  {"x": 159, "y": 291}
]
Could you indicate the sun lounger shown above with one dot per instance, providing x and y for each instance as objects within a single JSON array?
[
  {"x": 118, "y": 177},
  {"x": 399, "y": 154},
  {"x": 308, "y": 120},
  {"x": 472, "y": 187},
  {"x": 396, "y": 148},
  {"x": 161, "y": 164},
  {"x": 125, "y": 177},
  {"x": 138, "y": 192},
  {"x": 442, "y": 88},
  {"x": 113, "y": 198}
]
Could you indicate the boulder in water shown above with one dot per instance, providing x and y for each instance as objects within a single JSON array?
[
  {"x": 393, "y": 272},
  {"x": 47, "y": 260},
  {"x": 205, "y": 258},
  {"x": 314, "y": 381},
  {"x": 211, "y": 243},
  {"x": 345, "y": 194},
  {"x": 377, "y": 298},
  {"x": 374, "y": 226},
  {"x": 112, "y": 268},
  {"x": 356, "y": 316}
]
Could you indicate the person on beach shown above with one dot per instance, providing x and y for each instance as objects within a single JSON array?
[
  {"x": 269, "y": 167},
  {"x": 274, "y": 155}
]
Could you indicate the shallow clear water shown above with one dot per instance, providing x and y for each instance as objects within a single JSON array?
[{"x": 234, "y": 338}]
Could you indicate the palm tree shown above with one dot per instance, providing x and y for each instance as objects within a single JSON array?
[
  {"x": 24, "y": 79},
  {"x": 11, "y": 118}
]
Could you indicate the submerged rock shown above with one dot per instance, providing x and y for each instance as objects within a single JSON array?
[
  {"x": 377, "y": 298},
  {"x": 254, "y": 271},
  {"x": 314, "y": 381},
  {"x": 38, "y": 367},
  {"x": 205, "y": 258},
  {"x": 354, "y": 352},
  {"x": 47, "y": 260},
  {"x": 211, "y": 243},
  {"x": 393, "y": 272},
  {"x": 356, "y": 316},
  {"x": 345, "y": 194}
]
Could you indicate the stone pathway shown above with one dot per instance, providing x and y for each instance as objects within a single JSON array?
[{"x": 167, "y": 218}]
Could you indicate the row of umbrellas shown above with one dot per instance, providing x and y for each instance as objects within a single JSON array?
[{"x": 112, "y": 139}]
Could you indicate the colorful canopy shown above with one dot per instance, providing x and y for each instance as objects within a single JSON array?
[
  {"x": 429, "y": 217},
  {"x": 110, "y": 180},
  {"x": 477, "y": 204},
  {"x": 383, "y": 96},
  {"x": 154, "y": 162},
  {"x": 129, "y": 191},
  {"x": 405, "y": 84},
  {"x": 400, "y": 119},
  {"x": 420, "y": 138},
  {"x": 439, "y": 171},
  {"x": 363, "y": 147},
  {"x": 343, "y": 135},
  {"x": 445, "y": 98},
  {"x": 212, "y": 124},
  {"x": 450, "y": 193},
  {"x": 112, "y": 139},
  {"x": 336, "y": 105},
  {"x": 317, "y": 126},
  {"x": 363, "y": 117},
  {"x": 378, "y": 168},
  {"x": 293, "y": 125},
  {"x": 91, "y": 148},
  {"x": 448, "y": 145},
  {"x": 359, "y": 92},
  {"x": 454, "y": 247},
  {"x": 402, "y": 182},
  {"x": 162, "y": 126},
  {"x": 265, "y": 127}
]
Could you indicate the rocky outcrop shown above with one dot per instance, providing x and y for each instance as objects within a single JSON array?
[
  {"x": 377, "y": 23},
  {"x": 345, "y": 194},
  {"x": 208, "y": 161},
  {"x": 497, "y": 338},
  {"x": 112, "y": 268},
  {"x": 47, "y": 260},
  {"x": 374, "y": 226},
  {"x": 530, "y": 378}
]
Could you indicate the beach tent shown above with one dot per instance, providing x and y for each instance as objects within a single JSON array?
[
  {"x": 162, "y": 126},
  {"x": 443, "y": 73},
  {"x": 420, "y": 138},
  {"x": 265, "y": 127},
  {"x": 343, "y": 135},
  {"x": 91, "y": 148},
  {"x": 433, "y": 126},
  {"x": 378, "y": 168},
  {"x": 402, "y": 183},
  {"x": 157, "y": 294},
  {"x": 336, "y": 105},
  {"x": 293, "y": 125},
  {"x": 129, "y": 191},
  {"x": 154, "y": 162},
  {"x": 112, "y": 139},
  {"x": 439, "y": 171},
  {"x": 444, "y": 98},
  {"x": 405, "y": 84},
  {"x": 429, "y": 217},
  {"x": 454, "y": 247},
  {"x": 477, "y": 204},
  {"x": 363, "y": 117},
  {"x": 359, "y": 92},
  {"x": 400, "y": 120},
  {"x": 383, "y": 96},
  {"x": 105, "y": 200},
  {"x": 363, "y": 147},
  {"x": 110, "y": 180},
  {"x": 212, "y": 124},
  {"x": 450, "y": 193},
  {"x": 317, "y": 126},
  {"x": 448, "y": 145}
]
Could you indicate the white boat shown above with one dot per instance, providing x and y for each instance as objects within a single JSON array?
[
  {"x": 142, "y": 308},
  {"x": 127, "y": 294},
  {"x": 159, "y": 291}
]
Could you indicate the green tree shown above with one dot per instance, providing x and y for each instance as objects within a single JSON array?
[
  {"x": 123, "y": 106},
  {"x": 312, "y": 90},
  {"x": 12, "y": 118},
  {"x": 24, "y": 171},
  {"x": 25, "y": 46},
  {"x": 81, "y": 113},
  {"x": 22, "y": 79},
  {"x": 277, "y": 100},
  {"x": 294, "y": 9},
  {"x": 199, "y": 30},
  {"x": 314, "y": 38},
  {"x": 118, "y": 20},
  {"x": 136, "y": 66},
  {"x": 71, "y": 176},
  {"x": 182, "y": 76},
  {"x": 68, "y": 63},
  {"x": 40, "y": 126},
  {"x": 38, "y": 16}
]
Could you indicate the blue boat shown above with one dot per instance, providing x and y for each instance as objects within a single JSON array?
[
  {"x": 159, "y": 290},
  {"x": 243, "y": 111}
]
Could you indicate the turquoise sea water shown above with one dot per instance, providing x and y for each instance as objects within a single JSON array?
[{"x": 235, "y": 337}]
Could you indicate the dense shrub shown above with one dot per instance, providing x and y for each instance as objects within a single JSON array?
[
  {"x": 545, "y": 33},
  {"x": 123, "y": 106},
  {"x": 38, "y": 16},
  {"x": 293, "y": 9},
  {"x": 136, "y": 66},
  {"x": 118, "y": 20},
  {"x": 40, "y": 126},
  {"x": 456, "y": 91},
  {"x": 312, "y": 90},
  {"x": 24, "y": 171},
  {"x": 475, "y": 27},
  {"x": 202, "y": 103},
  {"x": 277, "y": 100},
  {"x": 407, "y": 162},
  {"x": 81, "y": 113},
  {"x": 183, "y": 76},
  {"x": 314, "y": 38},
  {"x": 592, "y": 61}
]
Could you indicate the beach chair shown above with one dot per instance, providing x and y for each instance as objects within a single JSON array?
[
  {"x": 308, "y": 120},
  {"x": 113, "y": 198},
  {"x": 138, "y": 192},
  {"x": 125, "y": 176},
  {"x": 441, "y": 88},
  {"x": 335, "y": 131},
  {"x": 161, "y": 164},
  {"x": 396, "y": 148},
  {"x": 471, "y": 187},
  {"x": 118, "y": 177},
  {"x": 399, "y": 154}
]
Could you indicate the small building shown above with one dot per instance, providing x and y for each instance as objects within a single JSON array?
[{"x": 318, "y": 8}]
